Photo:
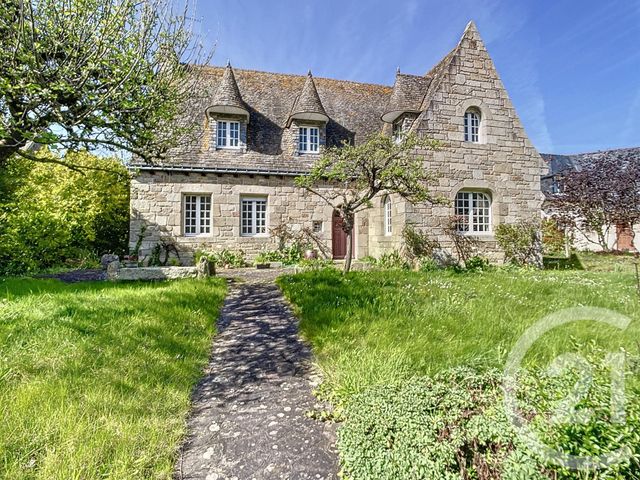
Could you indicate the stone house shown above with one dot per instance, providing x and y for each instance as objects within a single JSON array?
[{"x": 258, "y": 131}]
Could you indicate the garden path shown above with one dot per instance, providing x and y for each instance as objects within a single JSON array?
[{"x": 249, "y": 415}]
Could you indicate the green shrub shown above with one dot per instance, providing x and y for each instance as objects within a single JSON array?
[
  {"x": 393, "y": 260},
  {"x": 417, "y": 244},
  {"x": 476, "y": 264},
  {"x": 288, "y": 255},
  {"x": 520, "y": 242},
  {"x": 428, "y": 265},
  {"x": 553, "y": 239},
  {"x": 51, "y": 216},
  {"x": 316, "y": 264},
  {"x": 454, "y": 426},
  {"x": 224, "y": 258}
]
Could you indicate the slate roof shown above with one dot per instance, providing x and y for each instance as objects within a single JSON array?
[
  {"x": 308, "y": 101},
  {"x": 407, "y": 96},
  {"x": 228, "y": 94},
  {"x": 354, "y": 112}
]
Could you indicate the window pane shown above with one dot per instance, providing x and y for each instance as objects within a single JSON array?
[
  {"x": 314, "y": 139},
  {"x": 205, "y": 214},
  {"x": 222, "y": 134},
  {"x": 302, "y": 140},
  {"x": 261, "y": 216},
  {"x": 247, "y": 218},
  {"x": 234, "y": 134}
]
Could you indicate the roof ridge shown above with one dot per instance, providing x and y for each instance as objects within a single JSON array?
[
  {"x": 251, "y": 70},
  {"x": 618, "y": 149}
]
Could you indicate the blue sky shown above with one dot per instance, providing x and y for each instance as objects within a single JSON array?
[{"x": 572, "y": 68}]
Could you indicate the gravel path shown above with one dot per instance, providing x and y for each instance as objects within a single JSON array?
[{"x": 249, "y": 415}]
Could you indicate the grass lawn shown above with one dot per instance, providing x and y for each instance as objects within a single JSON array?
[
  {"x": 95, "y": 378},
  {"x": 382, "y": 326}
]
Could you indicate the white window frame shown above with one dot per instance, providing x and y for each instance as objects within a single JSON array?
[
  {"x": 228, "y": 134},
  {"x": 472, "y": 121},
  {"x": 256, "y": 221},
  {"x": 388, "y": 220},
  {"x": 196, "y": 218},
  {"x": 475, "y": 218},
  {"x": 308, "y": 139}
]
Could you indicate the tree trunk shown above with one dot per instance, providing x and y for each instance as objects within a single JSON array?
[{"x": 347, "y": 258}]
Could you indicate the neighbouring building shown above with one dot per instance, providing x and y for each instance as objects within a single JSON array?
[
  {"x": 259, "y": 130},
  {"x": 619, "y": 237}
]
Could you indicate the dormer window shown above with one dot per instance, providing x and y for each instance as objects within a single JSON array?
[
  {"x": 228, "y": 134},
  {"x": 309, "y": 140},
  {"x": 472, "y": 126},
  {"x": 397, "y": 131}
]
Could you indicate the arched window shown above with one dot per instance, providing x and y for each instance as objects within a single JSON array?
[
  {"x": 388, "y": 228},
  {"x": 472, "y": 126},
  {"x": 473, "y": 210}
]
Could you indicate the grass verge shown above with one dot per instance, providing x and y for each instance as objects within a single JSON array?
[{"x": 95, "y": 378}]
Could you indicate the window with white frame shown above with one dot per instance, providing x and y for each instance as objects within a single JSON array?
[
  {"x": 308, "y": 139},
  {"x": 472, "y": 126},
  {"x": 228, "y": 134},
  {"x": 473, "y": 210},
  {"x": 253, "y": 218},
  {"x": 197, "y": 215},
  {"x": 388, "y": 227}
]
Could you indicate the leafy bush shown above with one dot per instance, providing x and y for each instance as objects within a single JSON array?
[
  {"x": 520, "y": 242},
  {"x": 465, "y": 245},
  {"x": 51, "y": 216},
  {"x": 224, "y": 258},
  {"x": 428, "y": 265},
  {"x": 316, "y": 264},
  {"x": 553, "y": 239},
  {"x": 393, "y": 260},
  {"x": 417, "y": 244},
  {"x": 454, "y": 426},
  {"x": 477, "y": 263},
  {"x": 288, "y": 255}
]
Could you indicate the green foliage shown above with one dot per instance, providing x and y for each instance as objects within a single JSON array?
[
  {"x": 520, "y": 242},
  {"x": 87, "y": 73},
  {"x": 393, "y": 260},
  {"x": 562, "y": 263},
  {"x": 315, "y": 264},
  {"x": 51, "y": 216},
  {"x": 454, "y": 426},
  {"x": 288, "y": 255},
  {"x": 376, "y": 327},
  {"x": 96, "y": 378},
  {"x": 161, "y": 253},
  {"x": 224, "y": 258},
  {"x": 553, "y": 238},
  {"x": 477, "y": 264},
  {"x": 417, "y": 244}
]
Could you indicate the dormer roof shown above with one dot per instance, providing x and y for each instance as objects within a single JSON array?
[
  {"x": 407, "y": 95},
  {"x": 227, "y": 99},
  {"x": 308, "y": 105}
]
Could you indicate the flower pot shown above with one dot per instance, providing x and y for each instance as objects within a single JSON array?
[{"x": 311, "y": 254}]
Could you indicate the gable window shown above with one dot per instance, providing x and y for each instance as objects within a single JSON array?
[
  {"x": 253, "y": 220},
  {"x": 388, "y": 228},
  {"x": 473, "y": 210},
  {"x": 228, "y": 134},
  {"x": 309, "y": 139},
  {"x": 197, "y": 215},
  {"x": 472, "y": 126},
  {"x": 397, "y": 131}
]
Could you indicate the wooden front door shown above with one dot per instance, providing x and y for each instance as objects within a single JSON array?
[
  {"x": 624, "y": 236},
  {"x": 338, "y": 238}
]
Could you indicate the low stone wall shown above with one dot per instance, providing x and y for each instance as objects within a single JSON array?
[{"x": 114, "y": 273}]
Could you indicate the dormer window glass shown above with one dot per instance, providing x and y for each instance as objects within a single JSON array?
[
  {"x": 397, "y": 131},
  {"x": 228, "y": 134},
  {"x": 309, "y": 140}
]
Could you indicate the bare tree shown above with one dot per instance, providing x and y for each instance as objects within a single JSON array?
[
  {"x": 87, "y": 74},
  {"x": 348, "y": 177}
]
